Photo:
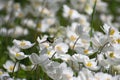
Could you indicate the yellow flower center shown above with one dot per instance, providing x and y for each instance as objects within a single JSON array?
[
  {"x": 1, "y": 72},
  {"x": 72, "y": 38},
  {"x": 39, "y": 25},
  {"x": 89, "y": 64},
  {"x": 20, "y": 15},
  {"x": 68, "y": 76},
  {"x": 48, "y": 52},
  {"x": 70, "y": 12},
  {"x": 108, "y": 79},
  {"x": 118, "y": 41},
  {"x": 59, "y": 48},
  {"x": 111, "y": 55},
  {"x": 49, "y": 21},
  {"x": 82, "y": 21},
  {"x": 84, "y": 41},
  {"x": 17, "y": 54},
  {"x": 112, "y": 31},
  {"x": 22, "y": 43},
  {"x": 86, "y": 51},
  {"x": 11, "y": 68},
  {"x": 87, "y": 7}
]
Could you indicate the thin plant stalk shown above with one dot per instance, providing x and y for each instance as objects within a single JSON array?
[{"x": 92, "y": 18}]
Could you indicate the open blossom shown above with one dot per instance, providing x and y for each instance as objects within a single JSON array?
[
  {"x": 103, "y": 76},
  {"x": 65, "y": 41},
  {"x": 88, "y": 9},
  {"x": 113, "y": 56},
  {"x": 70, "y": 13},
  {"x": 61, "y": 47},
  {"x": 43, "y": 43},
  {"x": 39, "y": 60},
  {"x": 79, "y": 58},
  {"x": 23, "y": 44},
  {"x": 18, "y": 55},
  {"x": 91, "y": 64},
  {"x": 9, "y": 66},
  {"x": 110, "y": 31},
  {"x": 15, "y": 53}
]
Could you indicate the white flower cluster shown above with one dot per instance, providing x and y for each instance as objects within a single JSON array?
[{"x": 58, "y": 37}]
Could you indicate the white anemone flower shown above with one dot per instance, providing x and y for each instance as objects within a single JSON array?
[
  {"x": 19, "y": 55},
  {"x": 43, "y": 43},
  {"x": 113, "y": 56},
  {"x": 85, "y": 51},
  {"x": 39, "y": 60},
  {"x": 110, "y": 31},
  {"x": 26, "y": 68},
  {"x": 15, "y": 53},
  {"x": 86, "y": 74},
  {"x": 61, "y": 47},
  {"x": 88, "y": 9},
  {"x": 91, "y": 64},
  {"x": 103, "y": 76},
  {"x": 9, "y": 65},
  {"x": 70, "y": 13},
  {"x": 67, "y": 74},
  {"x": 72, "y": 35},
  {"x": 29, "y": 23},
  {"x": 5, "y": 76},
  {"x": 79, "y": 58},
  {"x": 23, "y": 44}
]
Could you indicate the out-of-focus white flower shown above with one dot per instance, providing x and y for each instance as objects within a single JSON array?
[
  {"x": 61, "y": 47},
  {"x": 106, "y": 18},
  {"x": 19, "y": 55},
  {"x": 70, "y": 13},
  {"x": 64, "y": 57},
  {"x": 44, "y": 11},
  {"x": 117, "y": 77},
  {"x": 29, "y": 22},
  {"x": 18, "y": 31},
  {"x": 4, "y": 76},
  {"x": 83, "y": 20},
  {"x": 23, "y": 44},
  {"x": 67, "y": 74},
  {"x": 45, "y": 24},
  {"x": 50, "y": 52},
  {"x": 39, "y": 60},
  {"x": 26, "y": 68},
  {"x": 34, "y": 58},
  {"x": 79, "y": 58},
  {"x": 88, "y": 9},
  {"x": 101, "y": 6},
  {"x": 3, "y": 31},
  {"x": 117, "y": 68},
  {"x": 85, "y": 51},
  {"x": 43, "y": 43},
  {"x": 86, "y": 74},
  {"x": 54, "y": 70},
  {"x": 72, "y": 35},
  {"x": 103, "y": 76},
  {"x": 9, "y": 65},
  {"x": 11, "y": 50}
]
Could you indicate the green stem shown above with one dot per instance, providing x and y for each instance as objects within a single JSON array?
[
  {"x": 91, "y": 23},
  {"x": 76, "y": 42},
  {"x": 14, "y": 68},
  {"x": 53, "y": 56}
]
